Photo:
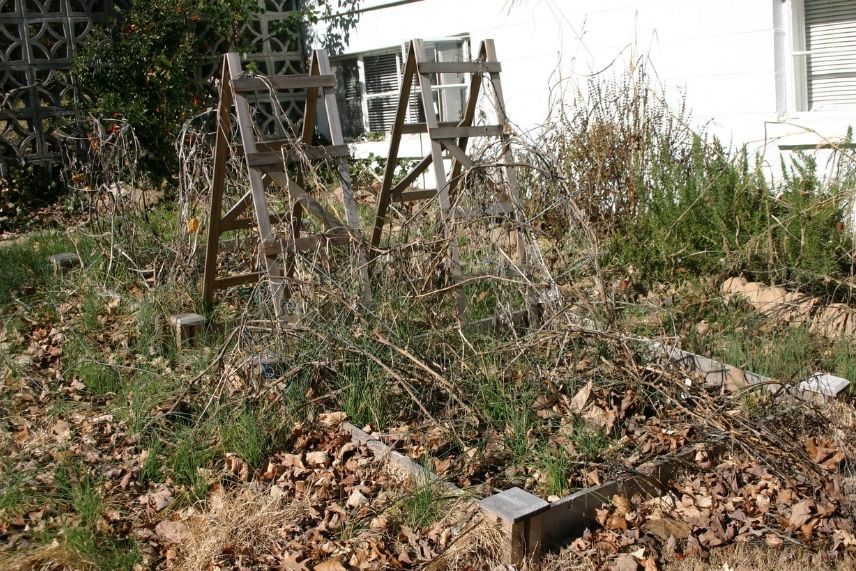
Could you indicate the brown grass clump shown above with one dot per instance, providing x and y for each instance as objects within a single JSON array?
[
  {"x": 242, "y": 521},
  {"x": 740, "y": 557},
  {"x": 479, "y": 547},
  {"x": 53, "y": 557},
  {"x": 761, "y": 558}
]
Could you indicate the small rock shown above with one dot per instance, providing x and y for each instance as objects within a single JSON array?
[
  {"x": 702, "y": 327},
  {"x": 357, "y": 499},
  {"x": 319, "y": 458}
]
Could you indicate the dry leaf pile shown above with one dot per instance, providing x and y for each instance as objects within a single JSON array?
[{"x": 326, "y": 505}]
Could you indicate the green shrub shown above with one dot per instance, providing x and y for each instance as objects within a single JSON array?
[
  {"x": 144, "y": 66},
  {"x": 716, "y": 214}
]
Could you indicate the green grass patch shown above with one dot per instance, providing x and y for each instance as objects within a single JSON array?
[
  {"x": 15, "y": 499},
  {"x": 365, "y": 393},
  {"x": 507, "y": 404},
  {"x": 422, "y": 506},
  {"x": 25, "y": 263},
  {"x": 250, "y": 436},
  {"x": 189, "y": 453}
]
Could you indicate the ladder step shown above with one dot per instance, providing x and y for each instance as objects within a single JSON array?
[
  {"x": 417, "y": 128},
  {"x": 465, "y": 132},
  {"x": 236, "y": 280},
  {"x": 460, "y": 67},
  {"x": 314, "y": 151},
  {"x": 414, "y": 195},
  {"x": 277, "y": 82},
  {"x": 274, "y": 158}
]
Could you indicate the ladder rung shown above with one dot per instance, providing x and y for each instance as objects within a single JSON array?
[
  {"x": 307, "y": 244},
  {"x": 271, "y": 158},
  {"x": 277, "y": 82},
  {"x": 236, "y": 280},
  {"x": 460, "y": 67},
  {"x": 465, "y": 132},
  {"x": 414, "y": 195},
  {"x": 417, "y": 128},
  {"x": 316, "y": 152}
]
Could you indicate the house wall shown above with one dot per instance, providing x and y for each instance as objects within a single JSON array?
[{"x": 728, "y": 58}]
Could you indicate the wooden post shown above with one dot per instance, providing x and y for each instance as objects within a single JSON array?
[
  {"x": 518, "y": 514},
  {"x": 218, "y": 182}
]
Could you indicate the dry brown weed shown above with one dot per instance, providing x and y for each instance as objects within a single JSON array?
[{"x": 245, "y": 520}]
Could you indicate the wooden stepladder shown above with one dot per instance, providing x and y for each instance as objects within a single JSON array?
[
  {"x": 450, "y": 139},
  {"x": 267, "y": 164}
]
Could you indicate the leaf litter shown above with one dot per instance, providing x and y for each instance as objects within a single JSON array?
[{"x": 775, "y": 472}]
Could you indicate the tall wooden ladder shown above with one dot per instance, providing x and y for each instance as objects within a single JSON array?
[
  {"x": 267, "y": 163},
  {"x": 450, "y": 139}
]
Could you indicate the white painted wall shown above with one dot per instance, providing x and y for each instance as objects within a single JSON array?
[{"x": 729, "y": 57}]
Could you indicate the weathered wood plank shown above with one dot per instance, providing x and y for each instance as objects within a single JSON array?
[
  {"x": 411, "y": 177},
  {"x": 418, "y": 128},
  {"x": 414, "y": 195},
  {"x": 275, "y": 158},
  {"x": 215, "y": 206},
  {"x": 308, "y": 243},
  {"x": 238, "y": 279},
  {"x": 246, "y": 128},
  {"x": 460, "y": 67},
  {"x": 467, "y": 132},
  {"x": 254, "y": 84}
]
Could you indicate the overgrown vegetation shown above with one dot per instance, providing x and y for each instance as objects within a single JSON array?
[
  {"x": 196, "y": 452},
  {"x": 670, "y": 201}
]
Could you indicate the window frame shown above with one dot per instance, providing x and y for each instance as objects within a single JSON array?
[
  {"x": 796, "y": 98},
  {"x": 401, "y": 52}
]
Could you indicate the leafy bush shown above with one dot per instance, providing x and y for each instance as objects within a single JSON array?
[
  {"x": 145, "y": 66},
  {"x": 717, "y": 214}
]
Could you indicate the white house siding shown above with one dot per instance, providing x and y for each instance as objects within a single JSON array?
[{"x": 730, "y": 58}]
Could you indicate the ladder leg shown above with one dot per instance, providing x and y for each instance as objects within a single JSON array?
[
  {"x": 266, "y": 238},
  {"x": 352, "y": 216},
  {"x": 392, "y": 156},
  {"x": 215, "y": 207}
]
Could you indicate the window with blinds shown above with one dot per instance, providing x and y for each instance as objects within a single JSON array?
[
  {"x": 368, "y": 87},
  {"x": 830, "y": 42},
  {"x": 381, "y": 76}
]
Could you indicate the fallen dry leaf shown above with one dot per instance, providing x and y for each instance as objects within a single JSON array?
[
  {"x": 578, "y": 403},
  {"x": 332, "y": 419},
  {"x": 330, "y": 565},
  {"x": 666, "y": 527},
  {"x": 172, "y": 532},
  {"x": 625, "y": 562},
  {"x": 800, "y": 514}
]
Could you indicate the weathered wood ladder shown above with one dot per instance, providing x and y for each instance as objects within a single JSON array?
[
  {"x": 267, "y": 162},
  {"x": 449, "y": 139}
]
